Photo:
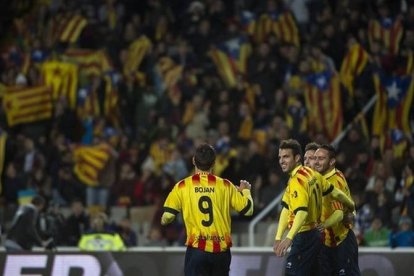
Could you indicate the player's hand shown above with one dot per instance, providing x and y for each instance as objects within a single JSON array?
[
  {"x": 244, "y": 185},
  {"x": 276, "y": 245},
  {"x": 320, "y": 227},
  {"x": 348, "y": 218},
  {"x": 283, "y": 247}
]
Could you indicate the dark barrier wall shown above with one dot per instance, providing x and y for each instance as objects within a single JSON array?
[{"x": 169, "y": 262}]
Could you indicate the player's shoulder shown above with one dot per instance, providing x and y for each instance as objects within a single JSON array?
[{"x": 306, "y": 172}]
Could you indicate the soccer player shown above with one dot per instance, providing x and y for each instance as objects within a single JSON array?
[
  {"x": 309, "y": 156},
  {"x": 206, "y": 201},
  {"x": 339, "y": 254},
  {"x": 301, "y": 211}
]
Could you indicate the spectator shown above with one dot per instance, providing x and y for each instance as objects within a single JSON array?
[
  {"x": 23, "y": 234},
  {"x": 128, "y": 235},
  {"x": 404, "y": 237},
  {"x": 77, "y": 223},
  {"x": 377, "y": 234},
  {"x": 155, "y": 237},
  {"x": 100, "y": 237}
]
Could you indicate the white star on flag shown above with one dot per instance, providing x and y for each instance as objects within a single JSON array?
[
  {"x": 233, "y": 45},
  {"x": 393, "y": 91}
]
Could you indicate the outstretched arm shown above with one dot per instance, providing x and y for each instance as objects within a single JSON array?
[{"x": 342, "y": 197}]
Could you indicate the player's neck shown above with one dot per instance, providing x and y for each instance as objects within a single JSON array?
[{"x": 198, "y": 171}]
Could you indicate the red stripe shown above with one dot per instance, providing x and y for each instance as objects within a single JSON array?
[
  {"x": 181, "y": 184},
  {"x": 211, "y": 180},
  {"x": 319, "y": 104},
  {"x": 190, "y": 240},
  {"x": 37, "y": 113},
  {"x": 78, "y": 20},
  {"x": 196, "y": 179},
  {"x": 332, "y": 237},
  {"x": 226, "y": 182},
  {"x": 38, "y": 104},
  {"x": 303, "y": 172},
  {"x": 309, "y": 171},
  {"x": 202, "y": 244},
  {"x": 18, "y": 89},
  {"x": 360, "y": 58},
  {"x": 290, "y": 28},
  {"x": 301, "y": 182},
  {"x": 33, "y": 95},
  {"x": 395, "y": 32},
  {"x": 399, "y": 116},
  {"x": 85, "y": 162},
  {"x": 338, "y": 115},
  {"x": 216, "y": 244}
]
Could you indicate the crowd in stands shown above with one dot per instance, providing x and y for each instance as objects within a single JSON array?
[{"x": 132, "y": 87}]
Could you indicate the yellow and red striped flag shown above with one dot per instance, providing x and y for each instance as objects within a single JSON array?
[
  {"x": 282, "y": 24},
  {"x": 393, "y": 105},
  {"x": 230, "y": 58},
  {"x": 387, "y": 31},
  {"x": 136, "y": 53},
  {"x": 323, "y": 103},
  {"x": 352, "y": 66},
  {"x": 89, "y": 62},
  {"x": 27, "y": 104},
  {"x": 89, "y": 162},
  {"x": 63, "y": 78},
  {"x": 3, "y": 140},
  {"x": 72, "y": 27}
]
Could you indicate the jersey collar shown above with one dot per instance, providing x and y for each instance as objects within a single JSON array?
[
  {"x": 330, "y": 173},
  {"x": 295, "y": 170}
]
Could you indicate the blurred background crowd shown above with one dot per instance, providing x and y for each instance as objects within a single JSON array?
[{"x": 104, "y": 101}]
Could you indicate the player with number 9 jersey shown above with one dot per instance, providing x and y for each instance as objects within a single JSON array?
[{"x": 206, "y": 202}]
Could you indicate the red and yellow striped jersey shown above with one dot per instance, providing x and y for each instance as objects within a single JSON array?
[
  {"x": 334, "y": 235},
  {"x": 304, "y": 191},
  {"x": 206, "y": 201}
]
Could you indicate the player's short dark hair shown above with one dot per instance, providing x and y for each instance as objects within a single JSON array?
[
  {"x": 204, "y": 157},
  {"x": 293, "y": 145},
  {"x": 312, "y": 146},
  {"x": 37, "y": 200},
  {"x": 330, "y": 149}
]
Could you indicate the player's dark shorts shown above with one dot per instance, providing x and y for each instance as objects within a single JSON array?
[
  {"x": 303, "y": 256},
  {"x": 341, "y": 260},
  {"x": 198, "y": 262}
]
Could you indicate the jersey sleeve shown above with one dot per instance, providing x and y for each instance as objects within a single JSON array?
[
  {"x": 173, "y": 203},
  {"x": 298, "y": 196},
  {"x": 242, "y": 201},
  {"x": 285, "y": 199},
  {"x": 326, "y": 186}
]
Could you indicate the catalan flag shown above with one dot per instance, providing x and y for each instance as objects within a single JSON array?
[
  {"x": 72, "y": 28},
  {"x": 3, "y": 139},
  {"x": 89, "y": 162},
  {"x": 111, "y": 110},
  {"x": 136, "y": 53},
  {"x": 89, "y": 62},
  {"x": 282, "y": 24},
  {"x": 27, "y": 104},
  {"x": 352, "y": 66},
  {"x": 388, "y": 31},
  {"x": 170, "y": 73},
  {"x": 248, "y": 22},
  {"x": 323, "y": 103},
  {"x": 87, "y": 103},
  {"x": 393, "y": 105},
  {"x": 63, "y": 78},
  {"x": 230, "y": 59}
]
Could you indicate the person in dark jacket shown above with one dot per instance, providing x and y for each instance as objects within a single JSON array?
[
  {"x": 23, "y": 234},
  {"x": 77, "y": 223}
]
